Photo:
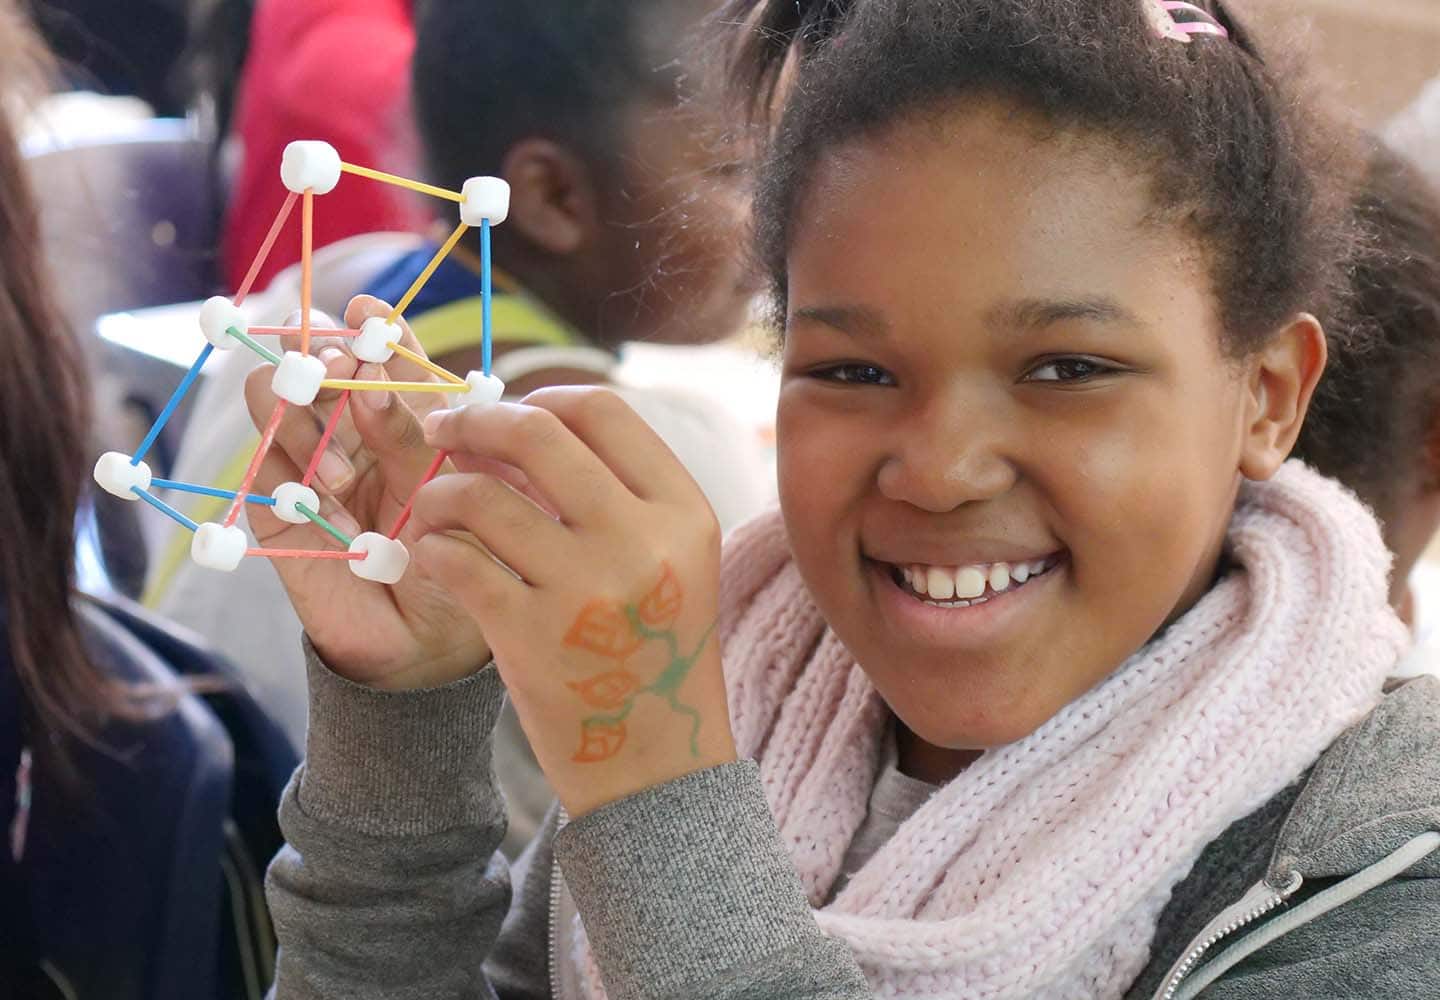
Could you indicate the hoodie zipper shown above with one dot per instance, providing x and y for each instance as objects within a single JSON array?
[
  {"x": 1260, "y": 900},
  {"x": 561, "y": 819}
]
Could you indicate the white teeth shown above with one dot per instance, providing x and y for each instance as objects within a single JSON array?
[
  {"x": 969, "y": 583},
  {"x": 941, "y": 585},
  {"x": 1000, "y": 577}
]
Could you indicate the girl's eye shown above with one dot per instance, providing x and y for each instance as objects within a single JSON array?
[
  {"x": 1069, "y": 370},
  {"x": 854, "y": 374}
]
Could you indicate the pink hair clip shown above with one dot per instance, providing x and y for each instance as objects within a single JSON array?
[{"x": 1160, "y": 14}]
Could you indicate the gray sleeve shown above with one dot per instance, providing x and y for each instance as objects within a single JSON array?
[
  {"x": 389, "y": 884},
  {"x": 1380, "y": 946},
  {"x": 686, "y": 890}
]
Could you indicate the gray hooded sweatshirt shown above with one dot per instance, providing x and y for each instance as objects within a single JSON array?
[{"x": 390, "y": 884}]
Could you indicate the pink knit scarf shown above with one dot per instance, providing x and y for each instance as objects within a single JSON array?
[{"x": 1041, "y": 870}]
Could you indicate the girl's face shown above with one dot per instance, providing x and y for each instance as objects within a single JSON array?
[{"x": 1002, "y": 375}]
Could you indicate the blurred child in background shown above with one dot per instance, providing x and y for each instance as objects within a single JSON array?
[{"x": 1374, "y": 423}]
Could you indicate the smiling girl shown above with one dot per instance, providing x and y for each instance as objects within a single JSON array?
[{"x": 1050, "y": 678}]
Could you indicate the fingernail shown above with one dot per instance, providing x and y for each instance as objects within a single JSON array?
[
  {"x": 331, "y": 354},
  {"x": 376, "y": 400},
  {"x": 433, "y": 420},
  {"x": 334, "y": 470}
]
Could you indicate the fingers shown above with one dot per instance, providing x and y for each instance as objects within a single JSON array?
[
  {"x": 300, "y": 431},
  {"x": 520, "y": 534},
  {"x": 572, "y": 480},
  {"x": 392, "y": 434},
  {"x": 469, "y": 575},
  {"x": 579, "y": 446},
  {"x": 400, "y": 368},
  {"x": 388, "y": 430},
  {"x": 320, "y": 323},
  {"x": 507, "y": 473},
  {"x": 621, "y": 439}
]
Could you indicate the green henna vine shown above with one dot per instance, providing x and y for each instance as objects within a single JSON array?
[{"x": 599, "y": 629}]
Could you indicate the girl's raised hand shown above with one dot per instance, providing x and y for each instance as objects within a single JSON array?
[
  {"x": 409, "y": 635},
  {"x": 602, "y": 615}
]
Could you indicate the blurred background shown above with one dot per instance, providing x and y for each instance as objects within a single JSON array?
[{"x": 1379, "y": 52}]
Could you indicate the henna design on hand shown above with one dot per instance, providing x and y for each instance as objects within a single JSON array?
[{"x": 616, "y": 632}]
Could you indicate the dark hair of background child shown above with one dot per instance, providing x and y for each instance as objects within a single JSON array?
[
  {"x": 488, "y": 73},
  {"x": 1236, "y": 156},
  {"x": 1372, "y": 423},
  {"x": 44, "y": 422}
]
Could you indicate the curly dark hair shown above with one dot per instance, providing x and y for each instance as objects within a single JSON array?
[
  {"x": 1372, "y": 421},
  {"x": 1236, "y": 157}
]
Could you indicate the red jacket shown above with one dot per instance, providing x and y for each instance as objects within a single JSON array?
[{"x": 337, "y": 70}]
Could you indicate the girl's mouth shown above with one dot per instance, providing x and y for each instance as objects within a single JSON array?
[{"x": 966, "y": 586}]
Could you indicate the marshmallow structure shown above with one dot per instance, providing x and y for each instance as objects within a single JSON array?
[
  {"x": 297, "y": 378},
  {"x": 217, "y": 316},
  {"x": 115, "y": 474},
  {"x": 375, "y": 334},
  {"x": 287, "y": 495},
  {"x": 486, "y": 198},
  {"x": 385, "y": 558},
  {"x": 310, "y": 164},
  {"x": 218, "y": 546},
  {"x": 483, "y": 389}
]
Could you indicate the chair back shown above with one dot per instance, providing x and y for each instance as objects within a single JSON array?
[{"x": 129, "y": 219}]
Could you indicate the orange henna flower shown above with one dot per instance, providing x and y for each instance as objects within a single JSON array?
[
  {"x": 606, "y": 690},
  {"x": 662, "y": 604},
  {"x": 600, "y": 739},
  {"x": 604, "y": 628}
]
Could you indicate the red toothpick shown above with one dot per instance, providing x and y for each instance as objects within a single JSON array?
[
  {"x": 430, "y": 473},
  {"x": 260, "y": 257}
]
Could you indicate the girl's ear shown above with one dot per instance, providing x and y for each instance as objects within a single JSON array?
[
  {"x": 1283, "y": 377},
  {"x": 553, "y": 203}
]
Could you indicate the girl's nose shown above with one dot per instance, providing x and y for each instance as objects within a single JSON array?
[{"x": 944, "y": 459}]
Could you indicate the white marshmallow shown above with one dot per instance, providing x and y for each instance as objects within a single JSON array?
[
  {"x": 287, "y": 495},
  {"x": 385, "y": 558},
  {"x": 375, "y": 333},
  {"x": 310, "y": 164},
  {"x": 297, "y": 378},
  {"x": 217, "y": 316},
  {"x": 216, "y": 546},
  {"x": 116, "y": 475},
  {"x": 485, "y": 198},
  {"x": 483, "y": 389}
]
